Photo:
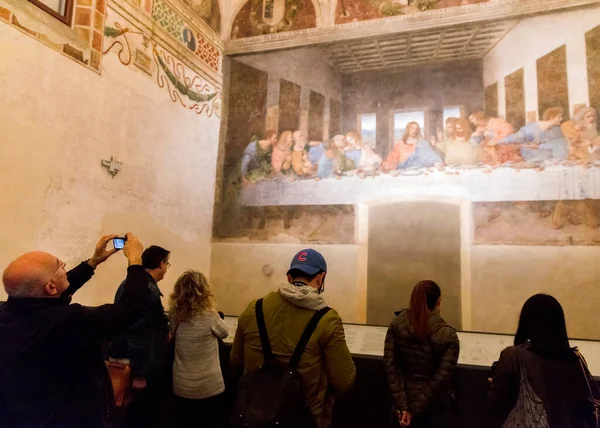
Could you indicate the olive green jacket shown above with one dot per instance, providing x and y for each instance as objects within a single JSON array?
[{"x": 326, "y": 365}]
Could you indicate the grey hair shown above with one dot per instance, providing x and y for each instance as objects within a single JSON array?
[{"x": 27, "y": 288}]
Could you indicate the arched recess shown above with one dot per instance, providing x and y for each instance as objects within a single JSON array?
[
  {"x": 420, "y": 234},
  {"x": 227, "y": 33}
]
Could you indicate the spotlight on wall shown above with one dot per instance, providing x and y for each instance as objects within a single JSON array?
[{"x": 267, "y": 270}]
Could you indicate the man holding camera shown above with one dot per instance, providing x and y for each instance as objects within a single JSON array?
[{"x": 52, "y": 369}]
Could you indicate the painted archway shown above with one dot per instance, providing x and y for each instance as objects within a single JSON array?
[{"x": 261, "y": 17}]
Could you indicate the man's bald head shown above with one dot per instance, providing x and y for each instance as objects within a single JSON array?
[{"x": 35, "y": 274}]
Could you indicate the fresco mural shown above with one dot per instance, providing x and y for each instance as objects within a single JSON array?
[
  {"x": 259, "y": 17},
  {"x": 306, "y": 224},
  {"x": 176, "y": 26},
  {"x": 311, "y": 145},
  {"x": 482, "y": 170},
  {"x": 537, "y": 223},
  {"x": 362, "y": 10},
  {"x": 208, "y": 10}
]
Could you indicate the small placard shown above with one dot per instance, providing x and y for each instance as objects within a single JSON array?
[{"x": 143, "y": 61}]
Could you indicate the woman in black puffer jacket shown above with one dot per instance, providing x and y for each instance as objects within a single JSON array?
[{"x": 421, "y": 352}]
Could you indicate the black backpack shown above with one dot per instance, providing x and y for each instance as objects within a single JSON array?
[{"x": 271, "y": 396}]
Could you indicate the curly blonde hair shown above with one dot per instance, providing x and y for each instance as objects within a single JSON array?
[{"x": 191, "y": 296}]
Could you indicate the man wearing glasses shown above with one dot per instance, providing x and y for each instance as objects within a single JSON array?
[
  {"x": 52, "y": 371},
  {"x": 143, "y": 344}
]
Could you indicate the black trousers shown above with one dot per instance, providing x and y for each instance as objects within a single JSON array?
[
  {"x": 144, "y": 410},
  {"x": 204, "y": 413}
]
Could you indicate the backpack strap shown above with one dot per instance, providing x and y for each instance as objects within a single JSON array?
[
  {"x": 262, "y": 330},
  {"x": 308, "y": 331}
]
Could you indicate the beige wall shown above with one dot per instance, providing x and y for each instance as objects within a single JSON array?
[
  {"x": 58, "y": 120},
  {"x": 505, "y": 276},
  {"x": 236, "y": 273},
  {"x": 501, "y": 279},
  {"x": 543, "y": 34}
]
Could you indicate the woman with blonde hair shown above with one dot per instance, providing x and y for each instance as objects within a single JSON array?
[{"x": 197, "y": 379}]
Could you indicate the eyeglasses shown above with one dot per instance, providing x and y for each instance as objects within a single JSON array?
[{"x": 61, "y": 266}]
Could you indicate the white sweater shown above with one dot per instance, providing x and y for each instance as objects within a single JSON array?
[{"x": 196, "y": 369}]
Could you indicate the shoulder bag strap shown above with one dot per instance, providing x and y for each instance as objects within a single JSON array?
[
  {"x": 262, "y": 330},
  {"x": 588, "y": 379},
  {"x": 308, "y": 331}
]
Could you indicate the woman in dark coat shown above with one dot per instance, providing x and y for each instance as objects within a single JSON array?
[
  {"x": 420, "y": 356},
  {"x": 552, "y": 369}
]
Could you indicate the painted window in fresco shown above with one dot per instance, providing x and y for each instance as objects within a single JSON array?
[
  {"x": 592, "y": 41},
  {"x": 368, "y": 128},
  {"x": 451, "y": 112},
  {"x": 403, "y": 118},
  {"x": 553, "y": 88}
]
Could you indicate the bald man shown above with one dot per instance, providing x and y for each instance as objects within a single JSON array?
[{"x": 52, "y": 371}]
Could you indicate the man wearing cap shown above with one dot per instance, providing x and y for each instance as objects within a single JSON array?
[{"x": 326, "y": 367}]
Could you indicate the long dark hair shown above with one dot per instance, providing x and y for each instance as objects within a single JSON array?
[
  {"x": 423, "y": 299},
  {"x": 542, "y": 324}
]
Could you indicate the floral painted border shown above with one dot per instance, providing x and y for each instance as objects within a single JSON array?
[
  {"x": 169, "y": 20},
  {"x": 184, "y": 86}
]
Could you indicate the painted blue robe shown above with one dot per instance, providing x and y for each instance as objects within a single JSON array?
[{"x": 551, "y": 143}]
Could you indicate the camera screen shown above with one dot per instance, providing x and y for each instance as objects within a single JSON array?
[{"x": 118, "y": 243}]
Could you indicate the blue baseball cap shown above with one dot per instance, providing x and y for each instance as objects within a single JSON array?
[{"x": 308, "y": 261}]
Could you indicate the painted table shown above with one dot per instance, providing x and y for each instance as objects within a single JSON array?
[{"x": 480, "y": 184}]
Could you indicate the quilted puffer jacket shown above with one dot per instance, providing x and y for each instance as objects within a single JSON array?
[{"x": 419, "y": 370}]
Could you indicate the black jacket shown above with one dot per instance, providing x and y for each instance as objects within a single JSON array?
[
  {"x": 52, "y": 373},
  {"x": 420, "y": 370},
  {"x": 144, "y": 342},
  {"x": 560, "y": 384}
]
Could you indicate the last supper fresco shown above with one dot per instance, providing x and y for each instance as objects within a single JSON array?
[{"x": 505, "y": 111}]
